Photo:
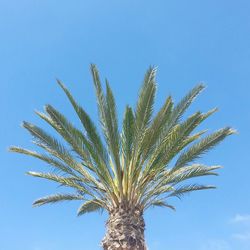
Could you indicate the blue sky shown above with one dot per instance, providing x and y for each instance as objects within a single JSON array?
[{"x": 189, "y": 41}]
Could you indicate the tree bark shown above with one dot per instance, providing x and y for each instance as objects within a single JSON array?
[{"x": 125, "y": 230}]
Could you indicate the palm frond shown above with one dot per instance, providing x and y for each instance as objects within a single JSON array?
[
  {"x": 160, "y": 203},
  {"x": 88, "y": 125},
  {"x": 183, "y": 105},
  {"x": 80, "y": 144},
  {"x": 59, "y": 151},
  {"x": 108, "y": 118},
  {"x": 47, "y": 142},
  {"x": 76, "y": 184},
  {"x": 127, "y": 135},
  {"x": 56, "y": 198},
  {"x": 183, "y": 138},
  {"x": 207, "y": 143},
  {"x": 74, "y": 137},
  {"x": 127, "y": 145},
  {"x": 113, "y": 136},
  {"x": 185, "y": 189},
  {"x": 145, "y": 102},
  {"x": 143, "y": 116},
  {"x": 50, "y": 160},
  {"x": 90, "y": 206},
  {"x": 52, "y": 146},
  {"x": 184, "y": 173},
  {"x": 155, "y": 130}
]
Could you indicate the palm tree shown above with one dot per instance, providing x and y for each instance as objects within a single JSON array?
[{"x": 141, "y": 167}]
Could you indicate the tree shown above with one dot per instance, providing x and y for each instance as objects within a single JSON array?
[{"x": 143, "y": 166}]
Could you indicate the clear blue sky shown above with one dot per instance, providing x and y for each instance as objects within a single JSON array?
[{"x": 189, "y": 41}]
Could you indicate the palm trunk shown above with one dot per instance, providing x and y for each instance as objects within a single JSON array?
[{"x": 125, "y": 230}]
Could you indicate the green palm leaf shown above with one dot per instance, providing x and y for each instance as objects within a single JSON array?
[
  {"x": 160, "y": 203},
  {"x": 89, "y": 206},
  {"x": 202, "y": 147},
  {"x": 144, "y": 108},
  {"x": 180, "y": 191},
  {"x": 127, "y": 135},
  {"x": 56, "y": 198},
  {"x": 183, "y": 105},
  {"x": 59, "y": 166},
  {"x": 88, "y": 125}
]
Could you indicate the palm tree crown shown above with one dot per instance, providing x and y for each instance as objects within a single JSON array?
[{"x": 142, "y": 165}]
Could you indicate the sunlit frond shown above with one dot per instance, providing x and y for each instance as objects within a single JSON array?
[
  {"x": 207, "y": 143},
  {"x": 56, "y": 198},
  {"x": 107, "y": 114},
  {"x": 89, "y": 126},
  {"x": 180, "y": 191},
  {"x": 160, "y": 203},
  {"x": 58, "y": 165},
  {"x": 90, "y": 206}
]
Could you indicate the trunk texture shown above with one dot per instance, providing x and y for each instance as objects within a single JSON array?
[{"x": 125, "y": 230}]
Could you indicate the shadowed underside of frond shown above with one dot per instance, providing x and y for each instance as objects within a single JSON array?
[{"x": 142, "y": 165}]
